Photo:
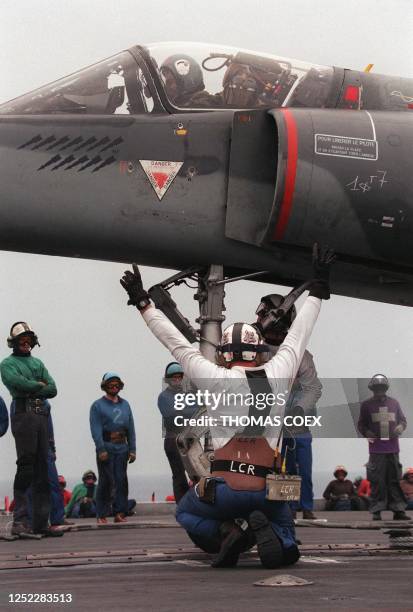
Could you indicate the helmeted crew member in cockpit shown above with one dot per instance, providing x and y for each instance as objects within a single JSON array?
[{"x": 184, "y": 83}]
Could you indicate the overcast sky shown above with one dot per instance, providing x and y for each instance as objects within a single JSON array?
[{"x": 78, "y": 308}]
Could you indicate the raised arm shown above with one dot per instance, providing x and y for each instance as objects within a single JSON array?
[
  {"x": 287, "y": 360},
  {"x": 193, "y": 363}
]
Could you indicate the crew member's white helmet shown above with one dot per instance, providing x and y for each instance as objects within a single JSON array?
[
  {"x": 21, "y": 328},
  {"x": 241, "y": 342}
]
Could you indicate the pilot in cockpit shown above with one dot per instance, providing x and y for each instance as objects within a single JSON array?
[
  {"x": 248, "y": 86},
  {"x": 184, "y": 83},
  {"x": 241, "y": 88}
]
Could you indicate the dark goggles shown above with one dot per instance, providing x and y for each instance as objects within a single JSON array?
[{"x": 262, "y": 309}]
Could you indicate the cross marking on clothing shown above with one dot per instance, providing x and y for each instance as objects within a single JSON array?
[{"x": 383, "y": 416}]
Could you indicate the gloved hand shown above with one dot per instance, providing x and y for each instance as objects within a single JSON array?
[
  {"x": 132, "y": 283},
  {"x": 323, "y": 257},
  {"x": 132, "y": 457},
  {"x": 103, "y": 456}
]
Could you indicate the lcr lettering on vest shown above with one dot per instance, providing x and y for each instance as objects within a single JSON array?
[
  {"x": 287, "y": 489},
  {"x": 243, "y": 468}
]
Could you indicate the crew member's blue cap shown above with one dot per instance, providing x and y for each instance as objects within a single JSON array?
[
  {"x": 109, "y": 376},
  {"x": 173, "y": 368}
]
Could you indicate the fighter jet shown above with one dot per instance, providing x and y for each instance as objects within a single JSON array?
[{"x": 182, "y": 154}]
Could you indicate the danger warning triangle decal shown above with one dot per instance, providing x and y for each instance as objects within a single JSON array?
[{"x": 160, "y": 174}]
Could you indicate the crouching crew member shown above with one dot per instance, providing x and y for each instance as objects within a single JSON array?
[
  {"x": 65, "y": 494},
  {"x": 406, "y": 485},
  {"x": 30, "y": 386},
  {"x": 113, "y": 431},
  {"x": 339, "y": 493},
  {"x": 82, "y": 503},
  {"x": 237, "y": 487}
]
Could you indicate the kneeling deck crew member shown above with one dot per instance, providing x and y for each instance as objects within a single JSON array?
[{"x": 233, "y": 491}]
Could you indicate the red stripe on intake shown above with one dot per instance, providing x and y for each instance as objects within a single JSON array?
[{"x": 292, "y": 154}]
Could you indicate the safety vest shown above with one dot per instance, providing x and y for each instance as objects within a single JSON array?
[{"x": 246, "y": 461}]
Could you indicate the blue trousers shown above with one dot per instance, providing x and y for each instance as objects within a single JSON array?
[
  {"x": 299, "y": 460},
  {"x": 112, "y": 491},
  {"x": 80, "y": 510},
  {"x": 57, "y": 510},
  {"x": 202, "y": 519}
]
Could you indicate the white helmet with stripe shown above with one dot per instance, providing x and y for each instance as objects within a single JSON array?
[
  {"x": 21, "y": 328},
  {"x": 241, "y": 342}
]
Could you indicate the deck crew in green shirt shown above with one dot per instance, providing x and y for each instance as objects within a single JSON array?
[{"x": 30, "y": 386}]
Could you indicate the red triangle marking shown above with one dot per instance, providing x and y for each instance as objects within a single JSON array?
[{"x": 160, "y": 178}]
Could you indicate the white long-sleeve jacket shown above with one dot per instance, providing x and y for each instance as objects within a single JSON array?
[{"x": 281, "y": 370}]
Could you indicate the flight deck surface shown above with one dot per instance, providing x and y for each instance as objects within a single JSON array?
[{"x": 150, "y": 564}]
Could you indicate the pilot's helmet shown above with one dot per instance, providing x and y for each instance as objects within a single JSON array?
[
  {"x": 241, "y": 88},
  {"x": 186, "y": 73}
]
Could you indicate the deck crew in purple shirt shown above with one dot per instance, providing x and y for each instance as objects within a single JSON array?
[{"x": 382, "y": 422}]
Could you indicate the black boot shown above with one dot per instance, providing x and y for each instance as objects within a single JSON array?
[
  {"x": 231, "y": 546},
  {"x": 291, "y": 555},
  {"x": 269, "y": 546},
  {"x": 49, "y": 532},
  {"x": 376, "y": 516},
  {"x": 400, "y": 515},
  {"x": 309, "y": 515},
  {"x": 22, "y": 530}
]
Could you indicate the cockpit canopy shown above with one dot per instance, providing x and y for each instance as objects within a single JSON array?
[{"x": 180, "y": 76}]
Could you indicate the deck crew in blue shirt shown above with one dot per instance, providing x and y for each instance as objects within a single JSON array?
[{"x": 113, "y": 431}]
